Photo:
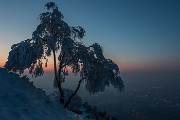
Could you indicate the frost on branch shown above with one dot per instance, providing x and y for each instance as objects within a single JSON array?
[
  {"x": 53, "y": 36},
  {"x": 25, "y": 55},
  {"x": 90, "y": 62},
  {"x": 99, "y": 71},
  {"x": 50, "y": 5}
]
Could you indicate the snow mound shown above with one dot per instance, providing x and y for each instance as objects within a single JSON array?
[{"x": 21, "y": 100}]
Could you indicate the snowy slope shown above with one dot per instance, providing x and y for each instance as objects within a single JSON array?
[{"x": 20, "y": 100}]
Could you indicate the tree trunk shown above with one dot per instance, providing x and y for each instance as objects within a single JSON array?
[
  {"x": 61, "y": 91},
  {"x": 56, "y": 78},
  {"x": 70, "y": 98}
]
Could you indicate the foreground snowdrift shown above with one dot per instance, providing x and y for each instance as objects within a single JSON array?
[{"x": 20, "y": 100}]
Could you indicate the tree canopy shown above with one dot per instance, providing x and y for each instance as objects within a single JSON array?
[{"x": 54, "y": 36}]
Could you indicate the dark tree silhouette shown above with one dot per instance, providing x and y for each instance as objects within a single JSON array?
[{"x": 53, "y": 35}]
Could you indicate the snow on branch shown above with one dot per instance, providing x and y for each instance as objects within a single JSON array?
[{"x": 54, "y": 35}]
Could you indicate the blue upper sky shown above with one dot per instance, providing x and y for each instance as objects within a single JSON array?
[{"x": 134, "y": 33}]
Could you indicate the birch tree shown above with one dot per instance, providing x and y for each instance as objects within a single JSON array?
[{"x": 53, "y": 36}]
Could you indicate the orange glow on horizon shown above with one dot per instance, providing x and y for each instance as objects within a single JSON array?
[
  {"x": 124, "y": 65},
  {"x": 130, "y": 66},
  {"x": 49, "y": 68},
  {"x": 3, "y": 60}
]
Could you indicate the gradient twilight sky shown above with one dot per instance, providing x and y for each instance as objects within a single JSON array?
[{"x": 137, "y": 34}]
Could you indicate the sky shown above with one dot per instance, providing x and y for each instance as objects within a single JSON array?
[{"x": 136, "y": 34}]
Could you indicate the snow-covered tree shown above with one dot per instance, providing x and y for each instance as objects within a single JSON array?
[
  {"x": 25, "y": 55},
  {"x": 53, "y": 35},
  {"x": 56, "y": 35},
  {"x": 97, "y": 71}
]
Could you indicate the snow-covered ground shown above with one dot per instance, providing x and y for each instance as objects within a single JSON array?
[{"x": 21, "y": 100}]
